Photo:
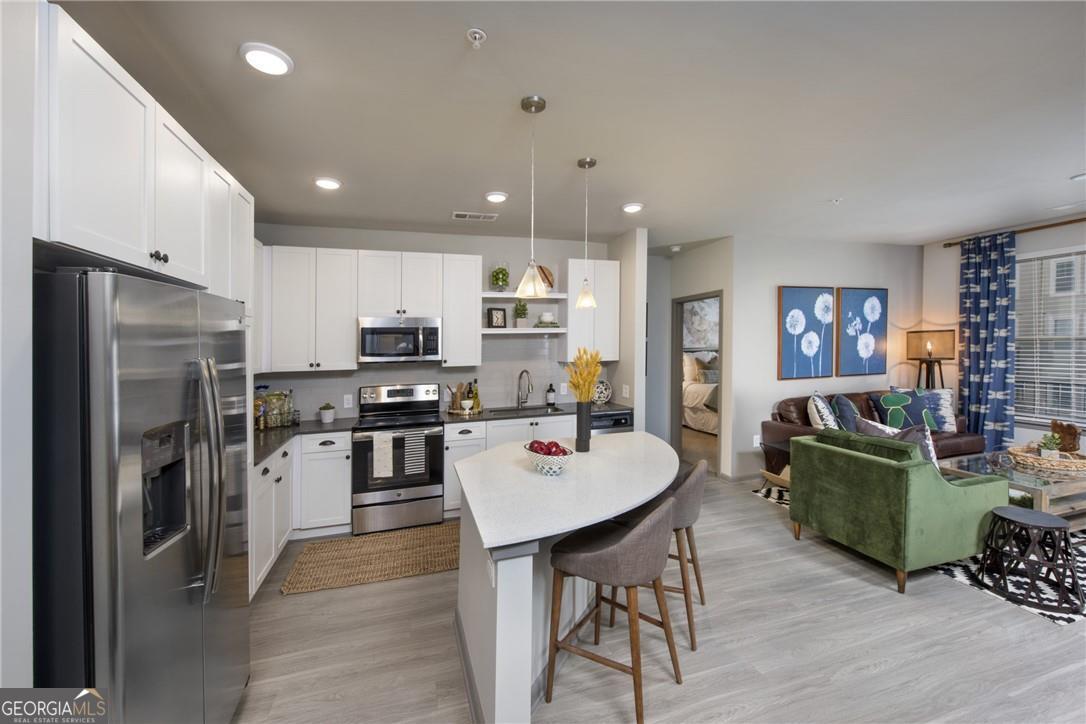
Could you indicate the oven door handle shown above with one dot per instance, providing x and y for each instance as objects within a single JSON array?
[{"x": 428, "y": 431}]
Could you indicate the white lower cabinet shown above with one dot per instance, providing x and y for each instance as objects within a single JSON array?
[
  {"x": 269, "y": 513},
  {"x": 529, "y": 428},
  {"x": 552, "y": 428},
  {"x": 461, "y": 441},
  {"x": 325, "y": 489},
  {"x": 282, "y": 483}
]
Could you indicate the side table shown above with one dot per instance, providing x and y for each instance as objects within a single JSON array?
[{"x": 1038, "y": 544}]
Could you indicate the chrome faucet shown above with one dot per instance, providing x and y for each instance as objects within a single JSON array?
[{"x": 522, "y": 396}]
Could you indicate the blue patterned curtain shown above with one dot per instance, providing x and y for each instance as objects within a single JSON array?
[{"x": 986, "y": 337}]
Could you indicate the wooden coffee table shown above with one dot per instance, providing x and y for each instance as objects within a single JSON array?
[{"x": 1061, "y": 494}]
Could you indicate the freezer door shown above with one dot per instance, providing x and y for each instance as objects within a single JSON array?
[
  {"x": 142, "y": 433},
  {"x": 226, "y": 611}
]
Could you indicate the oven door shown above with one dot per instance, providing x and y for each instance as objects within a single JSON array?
[{"x": 390, "y": 466}]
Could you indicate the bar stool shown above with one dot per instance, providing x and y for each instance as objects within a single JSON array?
[
  {"x": 614, "y": 555},
  {"x": 687, "y": 492}
]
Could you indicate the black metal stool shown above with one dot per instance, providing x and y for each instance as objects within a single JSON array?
[{"x": 1038, "y": 544}]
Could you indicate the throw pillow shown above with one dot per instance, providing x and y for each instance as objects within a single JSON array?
[
  {"x": 710, "y": 376},
  {"x": 820, "y": 412},
  {"x": 920, "y": 435},
  {"x": 941, "y": 406},
  {"x": 845, "y": 411},
  {"x": 902, "y": 408}
]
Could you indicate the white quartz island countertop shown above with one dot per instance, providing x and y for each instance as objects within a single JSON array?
[{"x": 513, "y": 503}]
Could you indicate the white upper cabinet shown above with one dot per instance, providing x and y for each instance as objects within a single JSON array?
[
  {"x": 180, "y": 216},
  {"x": 420, "y": 285},
  {"x": 461, "y": 333},
  {"x": 241, "y": 246},
  {"x": 293, "y": 308},
  {"x": 593, "y": 328},
  {"x": 217, "y": 237},
  {"x": 379, "y": 283},
  {"x": 259, "y": 308},
  {"x": 101, "y": 130},
  {"x": 336, "y": 324}
]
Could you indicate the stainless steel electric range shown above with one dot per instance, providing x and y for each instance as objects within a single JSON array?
[{"x": 397, "y": 458}]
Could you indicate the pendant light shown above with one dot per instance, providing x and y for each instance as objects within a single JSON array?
[
  {"x": 531, "y": 284},
  {"x": 586, "y": 300}
]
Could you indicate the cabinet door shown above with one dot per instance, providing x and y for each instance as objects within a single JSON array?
[
  {"x": 281, "y": 526},
  {"x": 259, "y": 309},
  {"x": 461, "y": 333},
  {"x": 261, "y": 526},
  {"x": 292, "y": 308},
  {"x": 217, "y": 194},
  {"x": 503, "y": 431},
  {"x": 378, "y": 283},
  {"x": 336, "y": 322},
  {"x": 579, "y": 322},
  {"x": 241, "y": 246},
  {"x": 553, "y": 428},
  {"x": 101, "y": 148},
  {"x": 605, "y": 287},
  {"x": 457, "y": 450},
  {"x": 325, "y": 490},
  {"x": 421, "y": 285},
  {"x": 180, "y": 212}
]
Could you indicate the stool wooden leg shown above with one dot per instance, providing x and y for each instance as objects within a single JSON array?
[
  {"x": 556, "y": 617},
  {"x": 901, "y": 577},
  {"x": 685, "y": 573},
  {"x": 599, "y": 597},
  {"x": 635, "y": 650},
  {"x": 614, "y": 594},
  {"x": 795, "y": 529},
  {"x": 697, "y": 564},
  {"x": 661, "y": 601}
]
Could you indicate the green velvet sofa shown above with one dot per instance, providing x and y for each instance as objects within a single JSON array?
[{"x": 881, "y": 498}]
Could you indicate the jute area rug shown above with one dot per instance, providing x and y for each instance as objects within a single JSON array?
[{"x": 375, "y": 557}]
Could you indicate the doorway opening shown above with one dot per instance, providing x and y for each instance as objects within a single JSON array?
[{"x": 695, "y": 383}]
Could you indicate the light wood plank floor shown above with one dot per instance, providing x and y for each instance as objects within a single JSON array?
[
  {"x": 698, "y": 445},
  {"x": 793, "y": 632}
]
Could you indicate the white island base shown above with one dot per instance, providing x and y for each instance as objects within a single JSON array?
[{"x": 510, "y": 515}]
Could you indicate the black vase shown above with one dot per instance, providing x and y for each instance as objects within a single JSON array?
[{"x": 584, "y": 425}]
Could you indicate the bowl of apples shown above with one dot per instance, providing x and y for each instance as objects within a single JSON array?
[{"x": 549, "y": 457}]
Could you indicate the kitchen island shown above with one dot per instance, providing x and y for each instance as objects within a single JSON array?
[{"x": 510, "y": 516}]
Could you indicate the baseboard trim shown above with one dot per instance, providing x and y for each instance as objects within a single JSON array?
[
  {"x": 474, "y": 705},
  {"x": 330, "y": 530}
]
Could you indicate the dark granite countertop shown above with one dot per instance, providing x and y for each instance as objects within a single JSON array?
[{"x": 512, "y": 413}]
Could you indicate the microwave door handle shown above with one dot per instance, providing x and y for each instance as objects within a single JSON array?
[
  {"x": 419, "y": 349},
  {"x": 220, "y": 497},
  {"x": 207, "y": 403}
]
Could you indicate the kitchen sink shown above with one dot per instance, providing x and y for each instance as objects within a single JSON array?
[{"x": 526, "y": 410}]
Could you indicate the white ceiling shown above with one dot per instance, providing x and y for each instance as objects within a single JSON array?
[{"x": 928, "y": 120}]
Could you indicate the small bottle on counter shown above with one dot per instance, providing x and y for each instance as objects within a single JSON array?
[
  {"x": 550, "y": 394},
  {"x": 476, "y": 402}
]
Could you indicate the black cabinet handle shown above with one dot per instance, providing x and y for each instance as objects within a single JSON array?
[
  {"x": 310, "y": 364},
  {"x": 279, "y": 480},
  {"x": 326, "y": 443},
  {"x": 165, "y": 258},
  {"x": 444, "y": 361},
  {"x": 348, "y": 457},
  {"x": 285, "y": 453},
  {"x": 464, "y": 432},
  {"x": 446, "y": 448},
  {"x": 265, "y": 471},
  {"x": 318, "y": 364}
]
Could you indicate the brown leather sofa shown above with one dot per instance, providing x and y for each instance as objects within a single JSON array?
[{"x": 790, "y": 420}]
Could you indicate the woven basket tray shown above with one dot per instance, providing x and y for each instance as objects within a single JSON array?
[{"x": 1031, "y": 457}]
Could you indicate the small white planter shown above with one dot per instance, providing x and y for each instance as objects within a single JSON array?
[
  {"x": 328, "y": 416},
  {"x": 523, "y": 323},
  {"x": 1050, "y": 454}
]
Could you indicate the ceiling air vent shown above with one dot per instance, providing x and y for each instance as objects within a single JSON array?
[{"x": 473, "y": 216}]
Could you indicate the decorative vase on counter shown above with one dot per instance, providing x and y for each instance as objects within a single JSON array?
[
  {"x": 328, "y": 416},
  {"x": 584, "y": 426}
]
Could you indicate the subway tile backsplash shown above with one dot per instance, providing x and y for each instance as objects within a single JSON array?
[{"x": 503, "y": 359}]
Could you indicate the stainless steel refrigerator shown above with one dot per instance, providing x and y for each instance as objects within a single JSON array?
[{"x": 140, "y": 540}]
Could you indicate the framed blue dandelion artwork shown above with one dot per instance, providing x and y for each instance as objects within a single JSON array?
[
  {"x": 861, "y": 331},
  {"x": 804, "y": 332}
]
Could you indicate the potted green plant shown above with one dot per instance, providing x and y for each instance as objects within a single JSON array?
[
  {"x": 520, "y": 313},
  {"x": 1050, "y": 446},
  {"x": 499, "y": 277},
  {"x": 328, "y": 413}
]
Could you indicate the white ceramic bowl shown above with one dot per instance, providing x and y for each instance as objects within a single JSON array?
[
  {"x": 549, "y": 465},
  {"x": 546, "y": 317},
  {"x": 465, "y": 405}
]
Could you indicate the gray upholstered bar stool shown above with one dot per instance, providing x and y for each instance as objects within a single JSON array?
[
  {"x": 614, "y": 555},
  {"x": 687, "y": 491}
]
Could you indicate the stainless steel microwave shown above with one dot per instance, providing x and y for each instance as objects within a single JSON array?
[{"x": 399, "y": 339}]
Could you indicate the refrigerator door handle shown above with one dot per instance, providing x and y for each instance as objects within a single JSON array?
[
  {"x": 207, "y": 398},
  {"x": 220, "y": 506}
]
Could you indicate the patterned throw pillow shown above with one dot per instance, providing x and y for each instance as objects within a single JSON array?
[
  {"x": 820, "y": 412},
  {"x": 901, "y": 408},
  {"x": 920, "y": 435},
  {"x": 710, "y": 376},
  {"x": 941, "y": 405},
  {"x": 845, "y": 411}
]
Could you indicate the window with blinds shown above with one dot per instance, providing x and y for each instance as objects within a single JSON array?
[{"x": 1050, "y": 357}]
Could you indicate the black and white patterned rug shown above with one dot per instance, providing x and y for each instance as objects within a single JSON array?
[{"x": 965, "y": 571}]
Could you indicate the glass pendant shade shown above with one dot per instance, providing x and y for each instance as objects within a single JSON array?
[
  {"x": 585, "y": 300},
  {"x": 531, "y": 284}
]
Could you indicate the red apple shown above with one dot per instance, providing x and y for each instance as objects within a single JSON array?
[
  {"x": 538, "y": 446},
  {"x": 553, "y": 448}
]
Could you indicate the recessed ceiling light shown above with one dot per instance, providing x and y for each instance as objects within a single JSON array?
[
  {"x": 633, "y": 207},
  {"x": 267, "y": 58},
  {"x": 328, "y": 184},
  {"x": 496, "y": 197},
  {"x": 1079, "y": 177},
  {"x": 676, "y": 249}
]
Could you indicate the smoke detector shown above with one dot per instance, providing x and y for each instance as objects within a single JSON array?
[
  {"x": 476, "y": 36},
  {"x": 474, "y": 216}
]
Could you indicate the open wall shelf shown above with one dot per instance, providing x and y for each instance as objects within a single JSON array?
[
  {"x": 525, "y": 330},
  {"x": 512, "y": 297}
]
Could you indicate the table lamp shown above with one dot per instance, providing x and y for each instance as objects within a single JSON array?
[{"x": 930, "y": 347}]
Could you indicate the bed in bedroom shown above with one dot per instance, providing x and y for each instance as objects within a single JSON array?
[{"x": 701, "y": 391}]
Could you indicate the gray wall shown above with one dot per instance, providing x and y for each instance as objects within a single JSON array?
[
  {"x": 17, "y": 47},
  {"x": 631, "y": 250},
  {"x": 658, "y": 356}
]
